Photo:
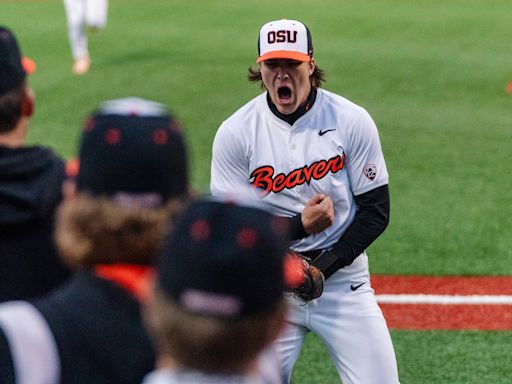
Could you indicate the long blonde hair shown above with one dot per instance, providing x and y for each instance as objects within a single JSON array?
[{"x": 92, "y": 231}]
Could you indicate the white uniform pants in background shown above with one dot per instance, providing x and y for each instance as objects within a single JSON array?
[
  {"x": 350, "y": 324},
  {"x": 80, "y": 15}
]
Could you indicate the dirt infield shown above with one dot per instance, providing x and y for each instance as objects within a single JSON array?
[{"x": 451, "y": 303}]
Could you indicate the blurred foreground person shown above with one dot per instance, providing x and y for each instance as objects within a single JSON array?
[
  {"x": 218, "y": 300},
  {"x": 131, "y": 184},
  {"x": 30, "y": 187}
]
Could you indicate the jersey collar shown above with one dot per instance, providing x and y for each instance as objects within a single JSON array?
[{"x": 136, "y": 279}]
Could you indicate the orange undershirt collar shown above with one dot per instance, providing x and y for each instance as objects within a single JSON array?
[{"x": 136, "y": 279}]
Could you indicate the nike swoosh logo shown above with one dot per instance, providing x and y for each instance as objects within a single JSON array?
[
  {"x": 321, "y": 133},
  {"x": 355, "y": 287}
]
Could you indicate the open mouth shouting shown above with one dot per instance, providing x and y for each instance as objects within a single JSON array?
[
  {"x": 284, "y": 94},
  {"x": 284, "y": 99}
]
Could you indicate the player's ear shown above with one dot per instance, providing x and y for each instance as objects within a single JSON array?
[
  {"x": 28, "y": 102},
  {"x": 312, "y": 66}
]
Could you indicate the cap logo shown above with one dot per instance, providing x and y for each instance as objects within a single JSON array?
[
  {"x": 200, "y": 230},
  {"x": 247, "y": 238},
  {"x": 89, "y": 124},
  {"x": 282, "y": 36},
  {"x": 284, "y": 39},
  {"x": 113, "y": 136},
  {"x": 160, "y": 137}
]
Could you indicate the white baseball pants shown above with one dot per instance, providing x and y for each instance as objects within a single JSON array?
[
  {"x": 351, "y": 325},
  {"x": 81, "y": 14}
]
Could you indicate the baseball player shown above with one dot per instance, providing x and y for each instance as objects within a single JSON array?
[
  {"x": 83, "y": 14},
  {"x": 302, "y": 147}
]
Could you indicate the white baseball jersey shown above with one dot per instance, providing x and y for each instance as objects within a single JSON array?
[{"x": 333, "y": 149}]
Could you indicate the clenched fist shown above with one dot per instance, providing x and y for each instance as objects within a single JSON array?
[{"x": 318, "y": 214}]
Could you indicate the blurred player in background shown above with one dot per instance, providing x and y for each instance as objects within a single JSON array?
[
  {"x": 30, "y": 187},
  {"x": 81, "y": 16},
  {"x": 131, "y": 185},
  {"x": 218, "y": 301},
  {"x": 299, "y": 144}
]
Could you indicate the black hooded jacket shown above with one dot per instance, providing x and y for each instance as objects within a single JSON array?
[
  {"x": 30, "y": 190},
  {"x": 97, "y": 329}
]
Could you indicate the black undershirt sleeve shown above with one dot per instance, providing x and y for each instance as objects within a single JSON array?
[
  {"x": 297, "y": 230},
  {"x": 372, "y": 218},
  {"x": 7, "y": 375}
]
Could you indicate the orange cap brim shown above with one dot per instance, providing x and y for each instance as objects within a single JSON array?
[
  {"x": 29, "y": 65},
  {"x": 284, "y": 55}
]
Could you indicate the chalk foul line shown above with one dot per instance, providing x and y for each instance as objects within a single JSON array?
[
  {"x": 445, "y": 302},
  {"x": 444, "y": 299}
]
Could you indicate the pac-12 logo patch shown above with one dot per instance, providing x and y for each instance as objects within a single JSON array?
[{"x": 370, "y": 171}]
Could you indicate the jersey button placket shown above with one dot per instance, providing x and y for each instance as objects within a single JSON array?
[{"x": 293, "y": 159}]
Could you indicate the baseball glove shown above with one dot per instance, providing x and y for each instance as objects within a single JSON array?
[{"x": 303, "y": 279}]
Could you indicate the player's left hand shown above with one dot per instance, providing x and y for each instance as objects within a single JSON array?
[
  {"x": 303, "y": 279},
  {"x": 318, "y": 214}
]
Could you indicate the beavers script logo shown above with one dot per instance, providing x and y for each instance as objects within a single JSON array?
[{"x": 263, "y": 177}]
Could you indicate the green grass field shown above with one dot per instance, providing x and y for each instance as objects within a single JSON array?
[{"x": 432, "y": 74}]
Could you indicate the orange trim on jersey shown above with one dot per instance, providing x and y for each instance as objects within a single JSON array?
[
  {"x": 299, "y": 56},
  {"x": 134, "y": 278}
]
